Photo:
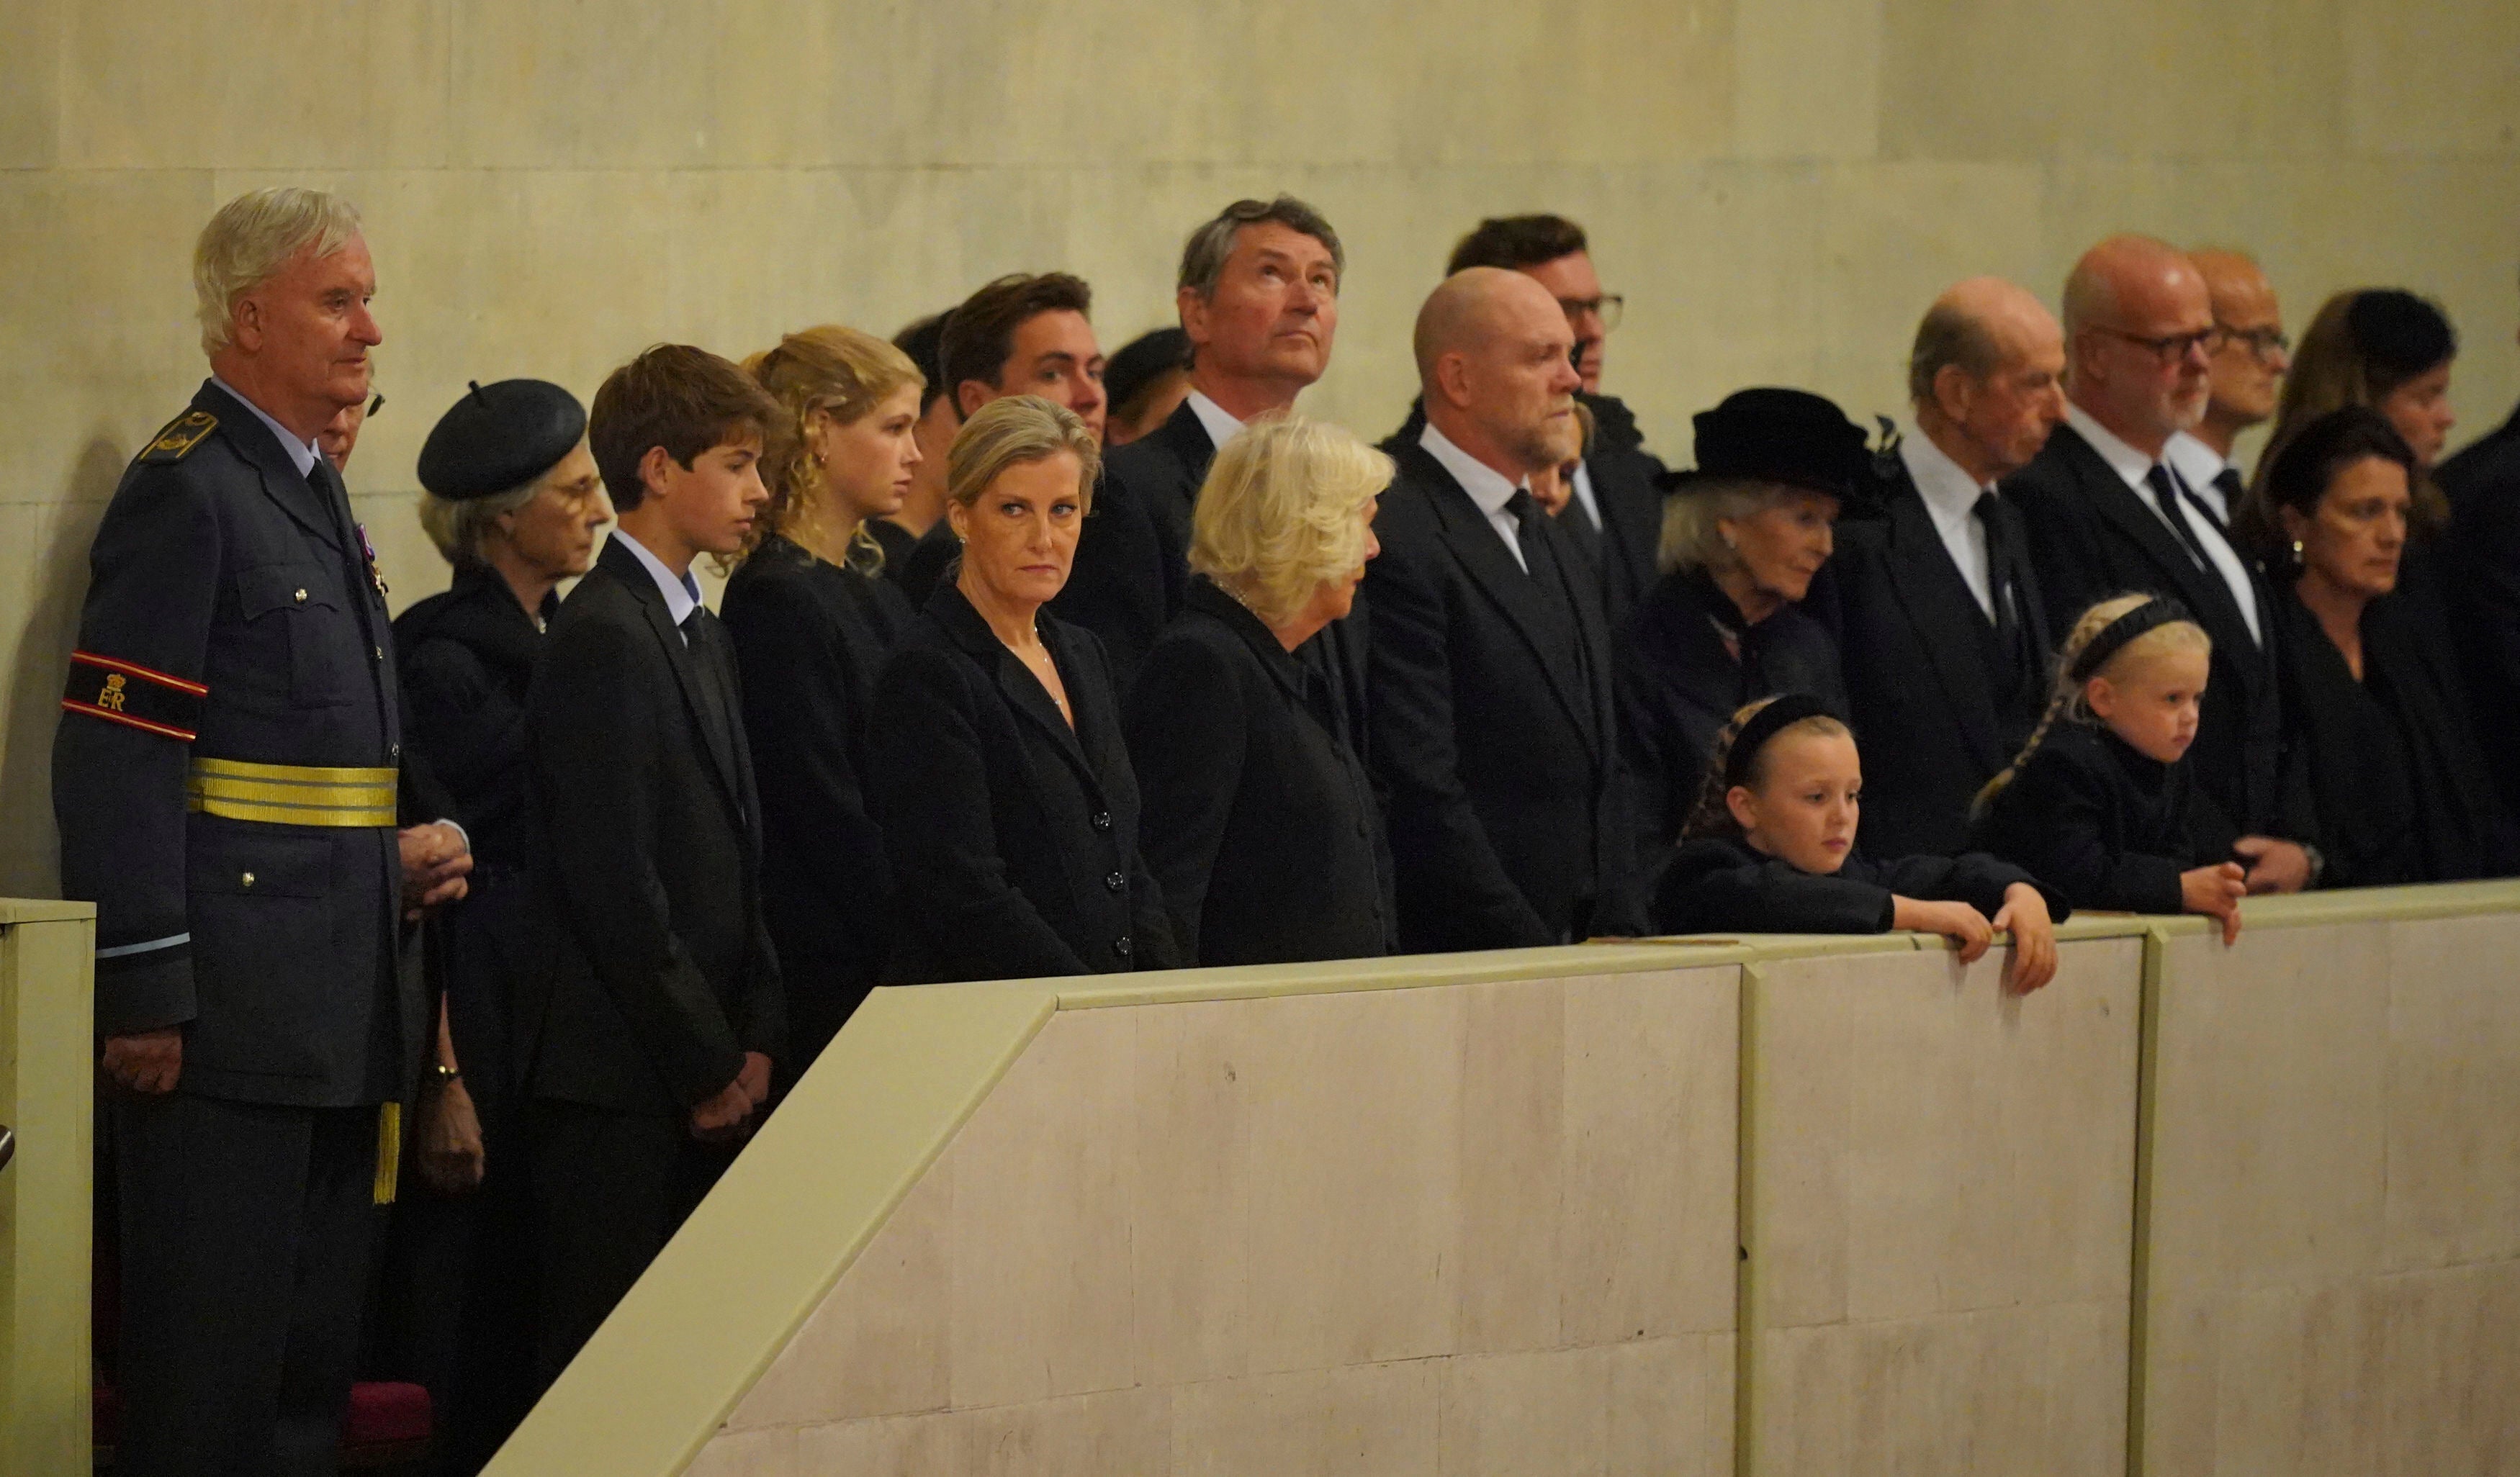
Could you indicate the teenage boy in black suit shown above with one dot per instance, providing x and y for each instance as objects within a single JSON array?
[{"x": 649, "y": 1058}]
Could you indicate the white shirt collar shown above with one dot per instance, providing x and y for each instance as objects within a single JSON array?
[
  {"x": 301, "y": 454},
  {"x": 2128, "y": 464},
  {"x": 1948, "y": 489},
  {"x": 1219, "y": 426},
  {"x": 1487, "y": 486},
  {"x": 2196, "y": 463},
  {"x": 681, "y": 595}
]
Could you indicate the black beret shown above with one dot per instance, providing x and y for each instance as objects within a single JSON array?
[
  {"x": 1148, "y": 357},
  {"x": 1790, "y": 436},
  {"x": 499, "y": 437}
]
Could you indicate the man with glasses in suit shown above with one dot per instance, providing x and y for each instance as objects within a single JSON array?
[
  {"x": 2244, "y": 376},
  {"x": 2106, "y": 513}
]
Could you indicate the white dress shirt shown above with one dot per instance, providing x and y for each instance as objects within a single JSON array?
[
  {"x": 1219, "y": 426},
  {"x": 1486, "y": 486},
  {"x": 301, "y": 454},
  {"x": 681, "y": 594},
  {"x": 2133, "y": 467},
  {"x": 1951, "y": 497},
  {"x": 2197, "y": 466},
  {"x": 1584, "y": 497}
]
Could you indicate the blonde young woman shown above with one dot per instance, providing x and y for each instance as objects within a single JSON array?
[
  {"x": 812, "y": 622},
  {"x": 1260, "y": 821}
]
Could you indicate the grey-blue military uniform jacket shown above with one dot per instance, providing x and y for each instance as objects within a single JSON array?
[{"x": 224, "y": 772}]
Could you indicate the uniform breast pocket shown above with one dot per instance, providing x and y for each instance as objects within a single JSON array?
[{"x": 294, "y": 606}]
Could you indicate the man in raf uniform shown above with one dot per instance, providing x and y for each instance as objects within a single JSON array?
[{"x": 225, "y": 779}]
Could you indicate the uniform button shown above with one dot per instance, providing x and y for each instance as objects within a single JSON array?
[
  {"x": 246, "y": 881},
  {"x": 381, "y": 653},
  {"x": 1101, "y": 820},
  {"x": 393, "y": 752},
  {"x": 1120, "y": 946},
  {"x": 301, "y": 596},
  {"x": 1115, "y": 882}
]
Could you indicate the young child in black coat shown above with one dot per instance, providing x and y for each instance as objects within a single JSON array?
[
  {"x": 2098, "y": 801},
  {"x": 1770, "y": 849}
]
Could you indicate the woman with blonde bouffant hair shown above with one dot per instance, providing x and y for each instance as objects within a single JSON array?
[
  {"x": 812, "y": 623},
  {"x": 1260, "y": 821}
]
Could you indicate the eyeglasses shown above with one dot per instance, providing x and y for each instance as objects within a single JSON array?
[
  {"x": 1608, "y": 307},
  {"x": 2175, "y": 347},
  {"x": 2265, "y": 343}
]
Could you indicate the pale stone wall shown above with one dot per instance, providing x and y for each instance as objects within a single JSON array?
[{"x": 1777, "y": 187}]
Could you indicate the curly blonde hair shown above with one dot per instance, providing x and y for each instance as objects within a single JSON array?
[
  {"x": 828, "y": 370},
  {"x": 1277, "y": 512}
]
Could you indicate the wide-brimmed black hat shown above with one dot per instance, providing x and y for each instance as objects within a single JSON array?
[
  {"x": 1789, "y": 437},
  {"x": 499, "y": 437}
]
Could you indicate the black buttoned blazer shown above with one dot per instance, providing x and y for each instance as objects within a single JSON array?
[
  {"x": 664, "y": 974},
  {"x": 1934, "y": 713},
  {"x": 2090, "y": 537},
  {"x": 1494, "y": 731},
  {"x": 1260, "y": 821},
  {"x": 1013, "y": 838}
]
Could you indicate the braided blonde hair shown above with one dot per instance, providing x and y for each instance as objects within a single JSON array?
[
  {"x": 2066, "y": 701},
  {"x": 1712, "y": 815}
]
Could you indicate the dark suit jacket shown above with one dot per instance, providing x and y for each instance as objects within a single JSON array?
[
  {"x": 2090, "y": 537},
  {"x": 1494, "y": 729},
  {"x": 1625, "y": 482},
  {"x": 665, "y": 975},
  {"x": 1013, "y": 838},
  {"x": 1130, "y": 555},
  {"x": 1933, "y": 711},
  {"x": 2482, "y": 553},
  {"x": 809, "y": 639},
  {"x": 1260, "y": 821}
]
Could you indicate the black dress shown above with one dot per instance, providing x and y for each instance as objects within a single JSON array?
[
  {"x": 1716, "y": 884},
  {"x": 1013, "y": 838},
  {"x": 2104, "y": 825},
  {"x": 1679, "y": 684},
  {"x": 1260, "y": 821},
  {"x": 456, "y": 1295},
  {"x": 810, "y": 637},
  {"x": 2402, "y": 795}
]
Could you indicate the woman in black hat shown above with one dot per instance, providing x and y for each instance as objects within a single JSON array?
[
  {"x": 1770, "y": 849},
  {"x": 1742, "y": 537},
  {"x": 513, "y": 501}
]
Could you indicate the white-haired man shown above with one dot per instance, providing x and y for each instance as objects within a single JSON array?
[{"x": 225, "y": 775}]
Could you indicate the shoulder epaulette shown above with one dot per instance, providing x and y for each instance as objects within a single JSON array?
[{"x": 180, "y": 436}]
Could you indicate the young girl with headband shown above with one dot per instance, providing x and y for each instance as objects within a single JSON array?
[
  {"x": 2097, "y": 802},
  {"x": 1770, "y": 849}
]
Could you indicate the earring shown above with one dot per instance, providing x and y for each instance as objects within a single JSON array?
[{"x": 2296, "y": 550}]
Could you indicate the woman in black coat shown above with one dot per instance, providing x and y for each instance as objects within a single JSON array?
[
  {"x": 1260, "y": 821},
  {"x": 514, "y": 502},
  {"x": 812, "y": 621},
  {"x": 2401, "y": 791},
  {"x": 1743, "y": 535},
  {"x": 998, "y": 769}
]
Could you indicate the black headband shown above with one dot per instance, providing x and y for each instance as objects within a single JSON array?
[
  {"x": 2154, "y": 613},
  {"x": 1779, "y": 714}
]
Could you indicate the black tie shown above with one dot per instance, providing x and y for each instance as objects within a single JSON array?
[
  {"x": 2228, "y": 482},
  {"x": 2022, "y": 660},
  {"x": 1575, "y": 519},
  {"x": 1526, "y": 530},
  {"x": 2164, "y": 494}
]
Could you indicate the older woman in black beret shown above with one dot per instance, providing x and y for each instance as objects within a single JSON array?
[
  {"x": 1742, "y": 537},
  {"x": 514, "y": 502}
]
